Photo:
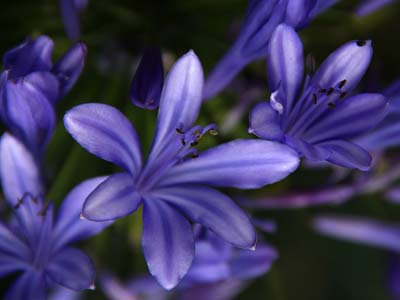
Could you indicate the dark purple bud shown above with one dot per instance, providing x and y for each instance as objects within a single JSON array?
[
  {"x": 148, "y": 81},
  {"x": 30, "y": 56},
  {"x": 69, "y": 67}
]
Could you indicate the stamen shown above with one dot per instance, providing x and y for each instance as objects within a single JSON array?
[
  {"x": 314, "y": 98},
  {"x": 43, "y": 211},
  {"x": 331, "y": 105},
  {"x": 330, "y": 91},
  {"x": 342, "y": 84},
  {"x": 20, "y": 201},
  {"x": 343, "y": 95}
]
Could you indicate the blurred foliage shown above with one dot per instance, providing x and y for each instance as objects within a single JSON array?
[{"x": 310, "y": 267}]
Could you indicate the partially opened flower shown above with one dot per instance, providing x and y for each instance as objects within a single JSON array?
[
  {"x": 30, "y": 86},
  {"x": 173, "y": 184},
  {"x": 318, "y": 120},
  {"x": 368, "y": 7},
  {"x": 261, "y": 19},
  {"x": 70, "y": 13},
  {"x": 35, "y": 244}
]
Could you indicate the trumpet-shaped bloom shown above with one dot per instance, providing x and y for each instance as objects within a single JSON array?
[
  {"x": 70, "y": 11},
  {"x": 368, "y": 7},
  {"x": 30, "y": 86},
  {"x": 148, "y": 81},
  {"x": 261, "y": 19},
  {"x": 35, "y": 244},
  {"x": 173, "y": 184},
  {"x": 318, "y": 120}
]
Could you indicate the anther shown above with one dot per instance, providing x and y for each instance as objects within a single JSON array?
[
  {"x": 342, "y": 95},
  {"x": 361, "y": 43},
  {"x": 19, "y": 203},
  {"x": 314, "y": 98},
  {"x": 331, "y": 105},
  {"x": 330, "y": 91},
  {"x": 342, "y": 83},
  {"x": 183, "y": 142},
  {"x": 43, "y": 211},
  {"x": 322, "y": 91},
  {"x": 179, "y": 130},
  {"x": 213, "y": 132},
  {"x": 195, "y": 143}
]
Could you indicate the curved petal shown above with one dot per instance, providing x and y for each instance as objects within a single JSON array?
[
  {"x": 12, "y": 246},
  {"x": 347, "y": 154},
  {"x": 180, "y": 99},
  {"x": 70, "y": 18},
  {"x": 299, "y": 13},
  {"x": 73, "y": 269},
  {"x": 105, "y": 132},
  {"x": 69, "y": 68},
  {"x": 18, "y": 170},
  {"x": 354, "y": 116},
  {"x": 311, "y": 152},
  {"x": 30, "y": 56},
  {"x": 264, "y": 122},
  {"x": 285, "y": 64},
  {"x": 168, "y": 243},
  {"x": 112, "y": 199},
  {"x": 349, "y": 63},
  {"x": 46, "y": 83},
  {"x": 10, "y": 264},
  {"x": 370, "y": 6},
  {"x": 69, "y": 227},
  {"x": 250, "y": 264},
  {"x": 28, "y": 113},
  {"x": 30, "y": 285},
  {"x": 360, "y": 230},
  {"x": 148, "y": 81},
  {"x": 212, "y": 209},
  {"x": 245, "y": 164}
]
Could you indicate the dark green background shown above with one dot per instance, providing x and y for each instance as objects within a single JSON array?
[{"x": 311, "y": 267}]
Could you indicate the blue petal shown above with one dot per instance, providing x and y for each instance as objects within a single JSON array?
[
  {"x": 73, "y": 269},
  {"x": 30, "y": 285},
  {"x": 250, "y": 264},
  {"x": 11, "y": 264},
  {"x": 285, "y": 63},
  {"x": 370, "y": 6},
  {"x": 300, "y": 12},
  {"x": 212, "y": 209},
  {"x": 30, "y": 56},
  {"x": 112, "y": 199},
  {"x": 61, "y": 293},
  {"x": 69, "y": 227},
  {"x": 347, "y": 154},
  {"x": 28, "y": 114},
  {"x": 324, "y": 5},
  {"x": 11, "y": 246},
  {"x": 245, "y": 164},
  {"x": 352, "y": 117},
  {"x": 148, "y": 81},
  {"x": 349, "y": 63},
  {"x": 69, "y": 68},
  {"x": 70, "y": 18},
  {"x": 18, "y": 170},
  {"x": 180, "y": 100},
  {"x": 46, "y": 83},
  {"x": 168, "y": 243},
  {"x": 265, "y": 123},
  {"x": 360, "y": 230},
  {"x": 105, "y": 132}
]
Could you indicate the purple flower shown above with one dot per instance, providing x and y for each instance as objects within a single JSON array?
[
  {"x": 318, "y": 120},
  {"x": 262, "y": 17},
  {"x": 30, "y": 86},
  {"x": 34, "y": 244},
  {"x": 70, "y": 11},
  {"x": 370, "y": 6},
  {"x": 148, "y": 81},
  {"x": 173, "y": 183}
]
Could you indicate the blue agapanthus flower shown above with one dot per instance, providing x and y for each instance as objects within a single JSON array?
[
  {"x": 319, "y": 120},
  {"x": 262, "y": 17},
  {"x": 35, "y": 244},
  {"x": 30, "y": 86},
  {"x": 173, "y": 184},
  {"x": 70, "y": 13}
]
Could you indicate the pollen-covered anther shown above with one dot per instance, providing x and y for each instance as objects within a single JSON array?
[
  {"x": 342, "y": 84},
  {"x": 44, "y": 210}
]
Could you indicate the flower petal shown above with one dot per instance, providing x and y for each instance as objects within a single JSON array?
[
  {"x": 347, "y": 154},
  {"x": 212, "y": 209},
  {"x": 349, "y": 63},
  {"x": 245, "y": 164},
  {"x": 105, "y": 132},
  {"x": 354, "y": 116},
  {"x": 73, "y": 269},
  {"x": 285, "y": 63},
  {"x": 70, "y": 18},
  {"x": 370, "y": 6},
  {"x": 180, "y": 99},
  {"x": 168, "y": 243},
  {"x": 250, "y": 264},
  {"x": 30, "y": 285},
  {"x": 18, "y": 170},
  {"x": 299, "y": 13},
  {"x": 69, "y": 67},
  {"x": 46, "y": 83},
  {"x": 148, "y": 80},
  {"x": 11, "y": 245},
  {"x": 69, "y": 227},
  {"x": 28, "y": 114},
  {"x": 30, "y": 56},
  {"x": 112, "y": 199},
  {"x": 360, "y": 230},
  {"x": 264, "y": 122}
]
